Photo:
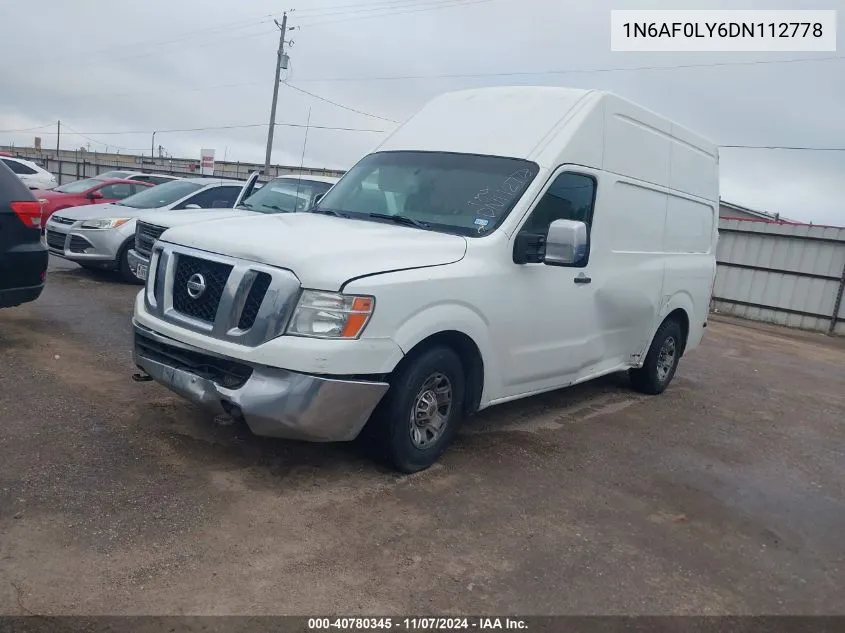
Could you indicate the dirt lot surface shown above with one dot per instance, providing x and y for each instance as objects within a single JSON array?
[{"x": 724, "y": 495}]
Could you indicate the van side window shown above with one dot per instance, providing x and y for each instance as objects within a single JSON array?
[{"x": 570, "y": 197}]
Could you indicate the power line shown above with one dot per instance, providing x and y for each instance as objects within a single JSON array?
[
  {"x": 351, "y": 6},
  {"x": 93, "y": 140},
  {"x": 186, "y": 35},
  {"x": 221, "y": 127},
  {"x": 521, "y": 73},
  {"x": 464, "y": 76},
  {"x": 786, "y": 147},
  {"x": 447, "y": 4},
  {"x": 213, "y": 42},
  {"x": 242, "y": 24},
  {"x": 339, "y": 105},
  {"x": 28, "y": 129},
  {"x": 386, "y": 9}
]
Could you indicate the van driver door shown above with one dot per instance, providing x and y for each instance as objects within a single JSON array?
[{"x": 553, "y": 336}]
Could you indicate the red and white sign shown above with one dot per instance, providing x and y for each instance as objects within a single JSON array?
[{"x": 207, "y": 162}]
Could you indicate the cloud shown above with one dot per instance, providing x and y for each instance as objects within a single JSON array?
[{"x": 103, "y": 66}]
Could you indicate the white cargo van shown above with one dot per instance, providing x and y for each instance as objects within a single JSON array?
[{"x": 501, "y": 243}]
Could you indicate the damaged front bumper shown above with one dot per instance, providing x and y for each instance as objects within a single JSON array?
[{"x": 273, "y": 402}]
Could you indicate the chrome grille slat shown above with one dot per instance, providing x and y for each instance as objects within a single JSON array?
[
  {"x": 145, "y": 237},
  {"x": 254, "y": 303}
]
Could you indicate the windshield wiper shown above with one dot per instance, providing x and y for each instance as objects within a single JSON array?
[
  {"x": 324, "y": 211},
  {"x": 400, "y": 219}
]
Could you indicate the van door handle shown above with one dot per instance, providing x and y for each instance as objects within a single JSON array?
[{"x": 582, "y": 279}]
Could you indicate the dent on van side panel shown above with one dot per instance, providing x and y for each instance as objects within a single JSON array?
[{"x": 626, "y": 245}]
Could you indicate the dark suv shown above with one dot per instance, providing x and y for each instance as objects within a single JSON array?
[{"x": 23, "y": 258}]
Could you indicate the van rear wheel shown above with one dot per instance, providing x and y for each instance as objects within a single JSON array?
[
  {"x": 420, "y": 414},
  {"x": 661, "y": 361}
]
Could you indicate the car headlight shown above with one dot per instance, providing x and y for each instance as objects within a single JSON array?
[
  {"x": 330, "y": 315},
  {"x": 104, "y": 223}
]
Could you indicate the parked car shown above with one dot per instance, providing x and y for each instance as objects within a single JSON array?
[
  {"x": 32, "y": 175},
  {"x": 100, "y": 236},
  {"x": 89, "y": 191},
  {"x": 23, "y": 257},
  {"x": 284, "y": 194},
  {"x": 454, "y": 268},
  {"x": 156, "y": 179}
]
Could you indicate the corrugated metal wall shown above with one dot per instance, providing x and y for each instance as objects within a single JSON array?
[{"x": 781, "y": 273}]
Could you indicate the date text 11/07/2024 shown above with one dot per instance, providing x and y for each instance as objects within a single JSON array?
[{"x": 417, "y": 624}]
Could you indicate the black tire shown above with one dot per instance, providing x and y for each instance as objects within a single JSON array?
[
  {"x": 656, "y": 373},
  {"x": 391, "y": 429},
  {"x": 123, "y": 268}
]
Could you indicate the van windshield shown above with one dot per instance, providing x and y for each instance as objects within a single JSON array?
[{"x": 448, "y": 192}]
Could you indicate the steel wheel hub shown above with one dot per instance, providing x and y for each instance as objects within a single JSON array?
[
  {"x": 430, "y": 410},
  {"x": 666, "y": 358}
]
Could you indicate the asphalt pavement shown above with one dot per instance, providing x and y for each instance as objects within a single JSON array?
[{"x": 724, "y": 495}]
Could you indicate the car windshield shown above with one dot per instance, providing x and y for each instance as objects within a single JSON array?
[
  {"x": 79, "y": 186},
  {"x": 115, "y": 174},
  {"x": 160, "y": 195},
  {"x": 285, "y": 195},
  {"x": 453, "y": 193}
]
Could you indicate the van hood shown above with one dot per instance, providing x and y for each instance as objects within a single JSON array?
[
  {"x": 188, "y": 216},
  {"x": 324, "y": 252}
]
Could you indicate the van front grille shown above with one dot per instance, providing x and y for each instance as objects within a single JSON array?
[{"x": 198, "y": 286}]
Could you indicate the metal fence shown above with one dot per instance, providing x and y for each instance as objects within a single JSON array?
[
  {"x": 68, "y": 166},
  {"x": 787, "y": 274}
]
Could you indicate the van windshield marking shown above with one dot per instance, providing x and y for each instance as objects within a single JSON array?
[{"x": 487, "y": 204}]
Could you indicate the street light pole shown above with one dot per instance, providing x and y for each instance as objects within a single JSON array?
[{"x": 153, "y": 147}]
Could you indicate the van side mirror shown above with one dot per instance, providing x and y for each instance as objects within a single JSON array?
[
  {"x": 317, "y": 199},
  {"x": 566, "y": 243},
  {"x": 95, "y": 195}
]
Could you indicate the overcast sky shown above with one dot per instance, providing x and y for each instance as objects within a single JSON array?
[{"x": 103, "y": 66}]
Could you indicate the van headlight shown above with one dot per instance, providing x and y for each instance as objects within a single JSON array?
[
  {"x": 330, "y": 315},
  {"x": 104, "y": 223}
]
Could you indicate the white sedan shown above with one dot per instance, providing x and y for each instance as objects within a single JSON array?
[
  {"x": 156, "y": 179},
  {"x": 31, "y": 174}
]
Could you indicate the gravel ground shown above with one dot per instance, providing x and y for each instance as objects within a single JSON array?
[{"x": 724, "y": 495}]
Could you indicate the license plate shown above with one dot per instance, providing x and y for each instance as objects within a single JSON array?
[{"x": 141, "y": 272}]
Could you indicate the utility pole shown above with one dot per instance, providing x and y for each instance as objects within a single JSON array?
[
  {"x": 153, "y": 147},
  {"x": 58, "y": 137},
  {"x": 280, "y": 58}
]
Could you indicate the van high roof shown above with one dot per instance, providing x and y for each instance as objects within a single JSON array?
[{"x": 552, "y": 126}]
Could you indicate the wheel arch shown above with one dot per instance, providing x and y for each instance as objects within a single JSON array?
[
  {"x": 463, "y": 330},
  {"x": 678, "y": 307}
]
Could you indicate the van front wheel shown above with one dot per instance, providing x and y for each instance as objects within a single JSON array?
[
  {"x": 420, "y": 413},
  {"x": 661, "y": 361}
]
